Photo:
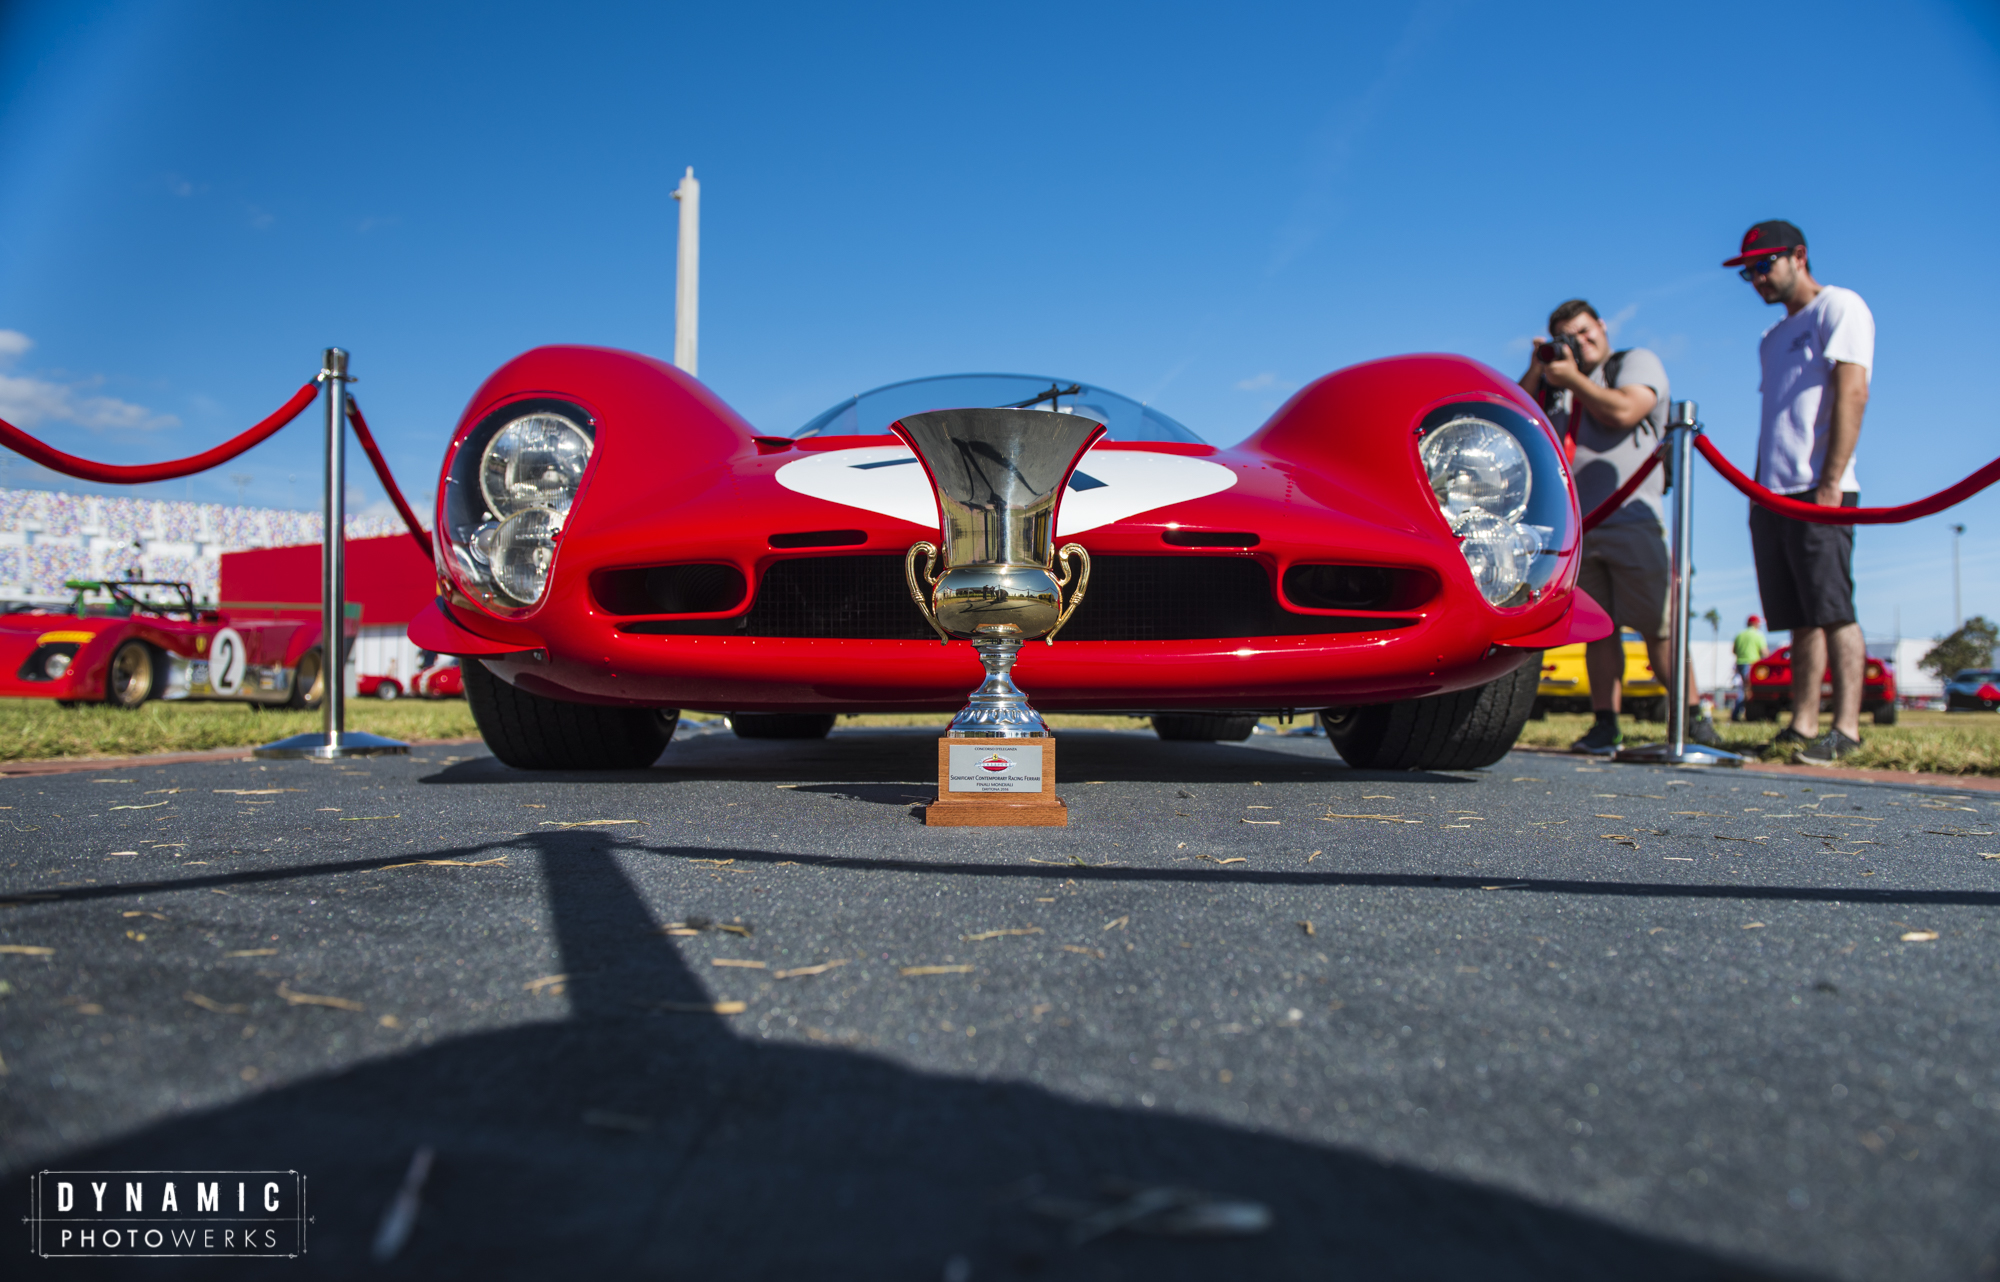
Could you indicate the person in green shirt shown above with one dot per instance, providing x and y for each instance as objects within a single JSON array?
[{"x": 1751, "y": 645}]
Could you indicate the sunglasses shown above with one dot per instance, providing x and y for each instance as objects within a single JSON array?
[{"x": 1762, "y": 267}]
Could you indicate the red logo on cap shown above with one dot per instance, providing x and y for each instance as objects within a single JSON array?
[{"x": 1750, "y": 237}]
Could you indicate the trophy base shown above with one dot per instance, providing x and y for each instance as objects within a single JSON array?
[{"x": 996, "y": 783}]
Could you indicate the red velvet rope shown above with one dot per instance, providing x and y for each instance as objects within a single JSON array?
[
  {"x": 1818, "y": 515},
  {"x": 84, "y": 470},
  {"x": 1617, "y": 500},
  {"x": 382, "y": 473}
]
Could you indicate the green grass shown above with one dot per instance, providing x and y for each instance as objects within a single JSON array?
[
  {"x": 33, "y": 729},
  {"x": 1934, "y": 742}
]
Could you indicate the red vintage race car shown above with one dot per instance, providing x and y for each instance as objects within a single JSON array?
[
  {"x": 446, "y": 680},
  {"x": 1393, "y": 549},
  {"x": 1767, "y": 692},
  {"x": 123, "y": 642}
]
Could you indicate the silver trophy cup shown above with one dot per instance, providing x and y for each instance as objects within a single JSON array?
[{"x": 999, "y": 475}]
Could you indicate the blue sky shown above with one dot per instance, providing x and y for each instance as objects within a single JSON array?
[{"x": 1200, "y": 206}]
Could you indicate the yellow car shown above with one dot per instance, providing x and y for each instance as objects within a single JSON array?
[{"x": 1565, "y": 685}]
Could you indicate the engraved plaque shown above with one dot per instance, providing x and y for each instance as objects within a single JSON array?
[{"x": 1002, "y": 767}]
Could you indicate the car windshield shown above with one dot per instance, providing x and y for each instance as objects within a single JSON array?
[
  {"x": 1977, "y": 674},
  {"x": 129, "y": 597},
  {"x": 870, "y": 413}
]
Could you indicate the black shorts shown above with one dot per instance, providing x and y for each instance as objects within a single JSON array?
[{"x": 1805, "y": 572}]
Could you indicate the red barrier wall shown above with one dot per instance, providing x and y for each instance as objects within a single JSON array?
[{"x": 387, "y": 577}]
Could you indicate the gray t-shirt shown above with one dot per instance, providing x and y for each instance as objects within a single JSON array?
[{"x": 1605, "y": 459}]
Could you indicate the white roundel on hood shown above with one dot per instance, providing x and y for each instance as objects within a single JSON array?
[{"x": 1108, "y": 486}]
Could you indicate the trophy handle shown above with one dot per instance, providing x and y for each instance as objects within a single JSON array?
[
  {"x": 917, "y": 594},
  {"x": 1082, "y": 576}
]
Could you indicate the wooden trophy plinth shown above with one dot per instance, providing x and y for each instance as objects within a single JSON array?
[{"x": 996, "y": 783}]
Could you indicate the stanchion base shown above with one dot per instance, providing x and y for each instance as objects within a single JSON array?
[
  {"x": 1662, "y": 754},
  {"x": 353, "y": 743}
]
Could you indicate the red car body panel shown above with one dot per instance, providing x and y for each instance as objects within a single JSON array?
[
  {"x": 272, "y": 648},
  {"x": 677, "y": 477},
  {"x": 1878, "y": 683}
]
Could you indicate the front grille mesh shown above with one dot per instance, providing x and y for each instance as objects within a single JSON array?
[
  {"x": 1131, "y": 598},
  {"x": 858, "y": 597}
]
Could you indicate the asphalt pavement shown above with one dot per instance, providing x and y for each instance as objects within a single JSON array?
[{"x": 1556, "y": 1019}]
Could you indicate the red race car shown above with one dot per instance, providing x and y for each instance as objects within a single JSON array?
[
  {"x": 1393, "y": 549},
  {"x": 1768, "y": 691},
  {"x": 444, "y": 681},
  {"x": 383, "y": 688},
  {"x": 123, "y": 642}
]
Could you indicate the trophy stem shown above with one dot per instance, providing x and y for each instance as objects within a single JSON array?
[{"x": 998, "y": 709}]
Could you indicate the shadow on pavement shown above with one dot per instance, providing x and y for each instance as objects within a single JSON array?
[
  {"x": 910, "y": 756},
  {"x": 573, "y": 845},
  {"x": 745, "y": 1159}
]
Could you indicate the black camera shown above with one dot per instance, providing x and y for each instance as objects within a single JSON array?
[{"x": 1553, "y": 349}]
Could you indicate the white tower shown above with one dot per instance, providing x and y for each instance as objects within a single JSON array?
[{"x": 687, "y": 273}]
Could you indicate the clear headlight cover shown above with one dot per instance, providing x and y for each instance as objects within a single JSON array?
[
  {"x": 1476, "y": 467},
  {"x": 1500, "y": 554},
  {"x": 535, "y": 461},
  {"x": 523, "y": 548}
]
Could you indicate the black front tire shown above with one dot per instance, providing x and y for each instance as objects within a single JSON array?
[
  {"x": 781, "y": 725},
  {"x": 1203, "y": 727},
  {"x": 1464, "y": 730},
  {"x": 1885, "y": 714},
  {"x": 531, "y": 732}
]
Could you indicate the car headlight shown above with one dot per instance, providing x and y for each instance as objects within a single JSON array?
[
  {"x": 1476, "y": 466},
  {"x": 524, "y": 545},
  {"x": 1482, "y": 481},
  {"x": 1760, "y": 673},
  {"x": 510, "y": 492},
  {"x": 534, "y": 461},
  {"x": 57, "y": 664},
  {"x": 1499, "y": 553}
]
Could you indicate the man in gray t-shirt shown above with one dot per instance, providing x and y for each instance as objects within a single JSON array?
[{"x": 1610, "y": 408}]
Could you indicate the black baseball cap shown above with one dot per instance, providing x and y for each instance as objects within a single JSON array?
[{"x": 1773, "y": 236}]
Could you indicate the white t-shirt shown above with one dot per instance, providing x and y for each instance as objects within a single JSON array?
[{"x": 1798, "y": 354}]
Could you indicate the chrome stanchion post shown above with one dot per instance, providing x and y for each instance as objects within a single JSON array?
[
  {"x": 333, "y": 554},
  {"x": 335, "y": 740},
  {"x": 1683, "y": 421}
]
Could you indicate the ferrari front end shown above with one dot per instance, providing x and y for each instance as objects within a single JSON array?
[{"x": 612, "y": 535}]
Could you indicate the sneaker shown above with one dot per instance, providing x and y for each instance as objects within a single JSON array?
[
  {"x": 1783, "y": 744},
  {"x": 1827, "y": 750},
  {"x": 1702, "y": 730},
  {"x": 1602, "y": 740}
]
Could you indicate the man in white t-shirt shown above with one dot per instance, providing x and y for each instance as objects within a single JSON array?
[{"x": 1817, "y": 362}]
